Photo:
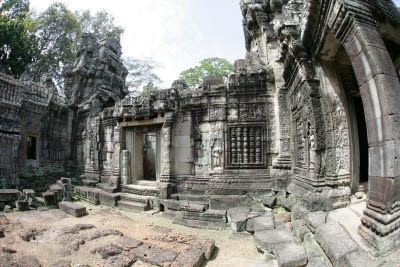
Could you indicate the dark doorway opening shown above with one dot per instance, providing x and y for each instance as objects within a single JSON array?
[
  {"x": 149, "y": 156},
  {"x": 31, "y": 148},
  {"x": 362, "y": 138}
]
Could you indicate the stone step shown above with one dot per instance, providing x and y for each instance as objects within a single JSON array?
[
  {"x": 201, "y": 199},
  {"x": 132, "y": 206},
  {"x": 147, "y": 183},
  {"x": 141, "y": 190},
  {"x": 135, "y": 198}
]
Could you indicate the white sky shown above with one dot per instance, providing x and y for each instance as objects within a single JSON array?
[{"x": 175, "y": 33}]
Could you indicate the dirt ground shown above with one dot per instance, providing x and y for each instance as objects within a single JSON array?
[{"x": 52, "y": 236}]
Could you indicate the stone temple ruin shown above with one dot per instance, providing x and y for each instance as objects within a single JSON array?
[{"x": 311, "y": 113}]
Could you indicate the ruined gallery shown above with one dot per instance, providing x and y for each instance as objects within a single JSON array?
[{"x": 309, "y": 121}]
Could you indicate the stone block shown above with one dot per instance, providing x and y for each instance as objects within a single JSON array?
[
  {"x": 290, "y": 255},
  {"x": 283, "y": 217},
  {"x": 267, "y": 240},
  {"x": 189, "y": 258},
  {"x": 335, "y": 242},
  {"x": 28, "y": 193},
  {"x": 358, "y": 258},
  {"x": 315, "y": 253},
  {"x": 260, "y": 223},
  {"x": 269, "y": 201},
  {"x": 315, "y": 219},
  {"x": 300, "y": 229},
  {"x": 383, "y": 159},
  {"x": 73, "y": 209},
  {"x": 108, "y": 199},
  {"x": 299, "y": 212},
  {"x": 232, "y": 201},
  {"x": 237, "y": 218},
  {"x": 49, "y": 198},
  {"x": 22, "y": 205},
  {"x": 183, "y": 168},
  {"x": 9, "y": 195},
  {"x": 152, "y": 254}
]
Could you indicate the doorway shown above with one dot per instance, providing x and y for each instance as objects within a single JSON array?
[{"x": 149, "y": 156}]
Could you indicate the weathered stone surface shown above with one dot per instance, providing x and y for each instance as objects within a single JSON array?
[
  {"x": 9, "y": 195},
  {"x": 227, "y": 202},
  {"x": 283, "y": 216},
  {"x": 61, "y": 263},
  {"x": 73, "y": 209},
  {"x": 316, "y": 256},
  {"x": 237, "y": 218},
  {"x": 266, "y": 240},
  {"x": 152, "y": 254},
  {"x": 22, "y": 205},
  {"x": 300, "y": 229},
  {"x": 260, "y": 223},
  {"x": 107, "y": 251},
  {"x": 269, "y": 201},
  {"x": 358, "y": 258},
  {"x": 335, "y": 242},
  {"x": 127, "y": 243},
  {"x": 290, "y": 255},
  {"x": 299, "y": 212},
  {"x": 123, "y": 260},
  {"x": 189, "y": 258},
  {"x": 315, "y": 219}
]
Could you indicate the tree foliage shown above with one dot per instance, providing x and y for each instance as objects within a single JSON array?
[
  {"x": 208, "y": 67},
  {"x": 17, "y": 43},
  {"x": 141, "y": 75}
]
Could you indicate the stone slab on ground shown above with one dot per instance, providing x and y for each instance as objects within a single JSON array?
[
  {"x": 122, "y": 260},
  {"x": 22, "y": 205},
  {"x": 260, "y": 223},
  {"x": 127, "y": 243},
  {"x": 290, "y": 255},
  {"x": 335, "y": 242},
  {"x": 358, "y": 258},
  {"x": 315, "y": 219},
  {"x": 316, "y": 256},
  {"x": 8, "y": 195},
  {"x": 189, "y": 258},
  {"x": 300, "y": 229},
  {"x": 266, "y": 240},
  {"x": 73, "y": 209},
  {"x": 153, "y": 254},
  {"x": 237, "y": 218}
]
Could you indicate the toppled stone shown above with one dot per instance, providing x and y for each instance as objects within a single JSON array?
[
  {"x": 357, "y": 258},
  {"x": 316, "y": 256},
  {"x": 7, "y": 208},
  {"x": 266, "y": 240},
  {"x": 335, "y": 242},
  {"x": 258, "y": 208},
  {"x": 61, "y": 263},
  {"x": 189, "y": 258},
  {"x": 107, "y": 251},
  {"x": 315, "y": 219},
  {"x": 127, "y": 243},
  {"x": 269, "y": 201},
  {"x": 359, "y": 195},
  {"x": 300, "y": 229},
  {"x": 22, "y": 205},
  {"x": 288, "y": 202},
  {"x": 290, "y": 255},
  {"x": 299, "y": 212},
  {"x": 49, "y": 198},
  {"x": 237, "y": 218},
  {"x": 260, "y": 223},
  {"x": 153, "y": 254},
  {"x": 72, "y": 209},
  {"x": 283, "y": 217},
  {"x": 123, "y": 260}
]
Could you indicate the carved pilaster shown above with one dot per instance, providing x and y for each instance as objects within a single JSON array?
[
  {"x": 165, "y": 182},
  {"x": 283, "y": 161}
]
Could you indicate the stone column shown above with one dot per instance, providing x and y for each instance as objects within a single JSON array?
[
  {"x": 166, "y": 183},
  {"x": 283, "y": 161},
  {"x": 125, "y": 168}
]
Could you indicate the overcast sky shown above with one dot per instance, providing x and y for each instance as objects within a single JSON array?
[{"x": 175, "y": 33}]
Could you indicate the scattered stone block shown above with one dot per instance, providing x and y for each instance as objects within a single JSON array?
[
  {"x": 289, "y": 202},
  {"x": 300, "y": 229},
  {"x": 28, "y": 193},
  {"x": 290, "y": 255},
  {"x": 7, "y": 208},
  {"x": 315, "y": 219},
  {"x": 359, "y": 195},
  {"x": 260, "y": 223},
  {"x": 259, "y": 208},
  {"x": 266, "y": 240},
  {"x": 107, "y": 251},
  {"x": 127, "y": 243},
  {"x": 335, "y": 242},
  {"x": 153, "y": 254},
  {"x": 299, "y": 212},
  {"x": 9, "y": 195},
  {"x": 269, "y": 201},
  {"x": 72, "y": 209},
  {"x": 316, "y": 256},
  {"x": 237, "y": 218},
  {"x": 49, "y": 198},
  {"x": 122, "y": 260},
  {"x": 357, "y": 258},
  {"x": 22, "y": 205},
  {"x": 189, "y": 258},
  {"x": 283, "y": 217}
]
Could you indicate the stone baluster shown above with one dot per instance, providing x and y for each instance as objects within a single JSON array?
[
  {"x": 233, "y": 144},
  {"x": 239, "y": 145},
  {"x": 258, "y": 145},
  {"x": 245, "y": 146},
  {"x": 251, "y": 143}
]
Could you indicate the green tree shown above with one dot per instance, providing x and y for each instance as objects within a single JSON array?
[
  {"x": 17, "y": 44},
  {"x": 100, "y": 25},
  {"x": 57, "y": 31},
  {"x": 141, "y": 75},
  {"x": 208, "y": 67}
]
